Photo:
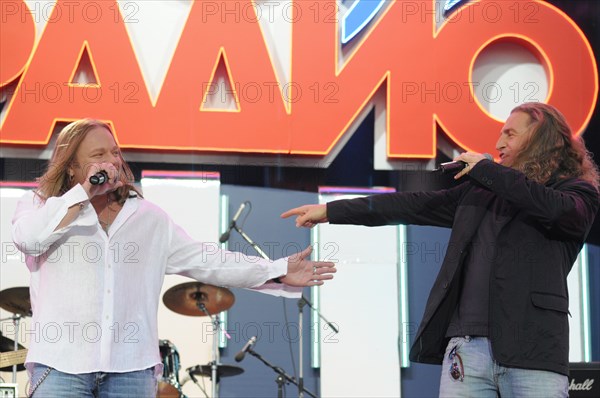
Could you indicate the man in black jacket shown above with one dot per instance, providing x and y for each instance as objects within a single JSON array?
[{"x": 496, "y": 317}]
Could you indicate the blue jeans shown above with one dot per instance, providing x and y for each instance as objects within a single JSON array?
[
  {"x": 137, "y": 384},
  {"x": 483, "y": 377}
]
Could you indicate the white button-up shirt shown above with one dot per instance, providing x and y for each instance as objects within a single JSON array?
[{"x": 95, "y": 295}]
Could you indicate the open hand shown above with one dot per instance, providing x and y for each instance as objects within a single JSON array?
[{"x": 303, "y": 272}]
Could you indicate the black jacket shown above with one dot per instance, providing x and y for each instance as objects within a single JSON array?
[{"x": 535, "y": 251}]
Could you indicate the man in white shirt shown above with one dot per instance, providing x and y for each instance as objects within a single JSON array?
[{"x": 98, "y": 255}]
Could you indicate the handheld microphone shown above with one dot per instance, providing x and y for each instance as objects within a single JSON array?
[
  {"x": 225, "y": 236},
  {"x": 99, "y": 178},
  {"x": 458, "y": 165},
  {"x": 240, "y": 355}
]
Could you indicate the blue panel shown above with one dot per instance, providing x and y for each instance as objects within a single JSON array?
[
  {"x": 358, "y": 16},
  {"x": 450, "y": 4},
  {"x": 256, "y": 314},
  {"x": 594, "y": 289},
  {"x": 426, "y": 247}
]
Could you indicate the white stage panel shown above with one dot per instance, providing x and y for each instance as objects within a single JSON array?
[
  {"x": 194, "y": 204},
  {"x": 362, "y": 300}
]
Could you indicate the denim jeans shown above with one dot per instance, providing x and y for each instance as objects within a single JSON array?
[
  {"x": 137, "y": 384},
  {"x": 483, "y": 377}
]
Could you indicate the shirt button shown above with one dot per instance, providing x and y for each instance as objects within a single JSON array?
[
  {"x": 107, "y": 317},
  {"x": 445, "y": 285},
  {"x": 108, "y": 291}
]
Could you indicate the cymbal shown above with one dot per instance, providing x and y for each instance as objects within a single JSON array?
[
  {"x": 184, "y": 298},
  {"x": 7, "y": 345},
  {"x": 16, "y": 300},
  {"x": 222, "y": 370}
]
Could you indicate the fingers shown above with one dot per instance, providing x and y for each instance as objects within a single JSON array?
[
  {"x": 112, "y": 183},
  {"x": 318, "y": 280},
  {"x": 462, "y": 172},
  {"x": 323, "y": 264},
  {"x": 323, "y": 271},
  {"x": 308, "y": 215},
  {"x": 109, "y": 168},
  {"x": 305, "y": 253},
  {"x": 304, "y": 221},
  {"x": 300, "y": 212},
  {"x": 471, "y": 159},
  {"x": 293, "y": 212}
]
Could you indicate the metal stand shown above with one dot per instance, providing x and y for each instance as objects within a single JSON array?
[
  {"x": 195, "y": 381},
  {"x": 214, "y": 364},
  {"x": 331, "y": 325},
  {"x": 282, "y": 376},
  {"x": 301, "y": 303},
  {"x": 251, "y": 242}
]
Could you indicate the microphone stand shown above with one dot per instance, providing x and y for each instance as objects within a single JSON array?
[
  {"x": 195, "y": 381},
  {"x": 282, "y": 377},
  {"x": 301, "y": 303},
  {"x": 331, "y": 325},
  {"x": 251, "y": 242},
  {"x": 213, "y": 364}
]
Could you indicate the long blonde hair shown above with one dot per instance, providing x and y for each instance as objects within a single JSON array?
[
  {"x": 551, "y": 150},
  {"x": 56, "y": 180}
]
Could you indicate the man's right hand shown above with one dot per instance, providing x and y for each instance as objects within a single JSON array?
[
  {"x": 308, "y": 215},
  {"x": 112, "y": 184}
]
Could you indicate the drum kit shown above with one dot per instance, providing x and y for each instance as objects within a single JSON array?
[
  {"x": 12, "y": 354},
  {"x": 191, "y": 298}
]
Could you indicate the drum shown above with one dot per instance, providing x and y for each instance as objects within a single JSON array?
[{"x": 168, "y": 385}]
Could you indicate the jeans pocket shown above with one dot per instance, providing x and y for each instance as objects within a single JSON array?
[
  {"x": 454, "y": 343},
  {"x": 38, "y": 373}
]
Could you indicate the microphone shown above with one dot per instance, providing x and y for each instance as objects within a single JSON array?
[
  {"x": 458, "y": 165},
  {"x": 240, "y": 355},
  {"x": 225, "y": 237},
  {"x": 99, "y": 178}
]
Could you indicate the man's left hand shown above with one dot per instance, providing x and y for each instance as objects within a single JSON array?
[
  {"x": 471, "y": 159},
  {"x": 303, "y": 272}
]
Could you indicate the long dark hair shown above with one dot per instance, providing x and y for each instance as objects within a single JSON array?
[{"x": 552, "y": 151}]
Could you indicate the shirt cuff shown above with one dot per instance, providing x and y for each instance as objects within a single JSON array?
[
  {"x": 72, "y": 197},
  {"x": 279, "y": 290},
  {"x": 277, "y": 269},
  {"x": 75, "y": 195}
]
